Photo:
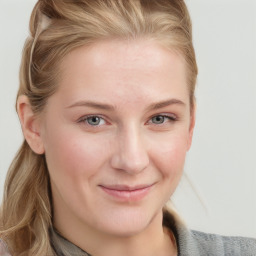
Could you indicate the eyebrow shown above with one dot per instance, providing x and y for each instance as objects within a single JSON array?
[
  {"x": 154, "y": 106},
  {"x": 165, "y": 103},
  {"x": 92, "y": 104}
]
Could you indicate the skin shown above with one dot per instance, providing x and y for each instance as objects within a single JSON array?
[{"x": 138, "y": 137}]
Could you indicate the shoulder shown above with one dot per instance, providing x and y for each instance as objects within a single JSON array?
[
  {"x": 196, "y": 243},
  {"x": 3, "y": 249},
  {"x": 213, "y": 244}
]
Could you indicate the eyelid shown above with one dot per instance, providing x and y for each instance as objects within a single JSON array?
[
  {"x": 171, "y": 118},
  {"x": 168, "y": 115},
  {"x": 84, "y": 118}
]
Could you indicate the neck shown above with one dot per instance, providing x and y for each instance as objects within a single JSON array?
[{"x": 154, "y": 240}]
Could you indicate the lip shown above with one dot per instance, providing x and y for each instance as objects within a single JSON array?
[{"x": 127, "y": 193}]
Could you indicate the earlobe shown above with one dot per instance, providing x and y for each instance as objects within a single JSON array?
[{"x": 30, "y": 125}]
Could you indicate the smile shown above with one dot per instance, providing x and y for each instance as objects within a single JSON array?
[{"x": 127, "y": 193}]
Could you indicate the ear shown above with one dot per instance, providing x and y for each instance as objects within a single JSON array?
[
  {"x": 191, "y": 126},
  {"x": 30, "y": 124}
]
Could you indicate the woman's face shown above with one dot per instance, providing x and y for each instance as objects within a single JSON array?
[{"x": 115, "y": 135}]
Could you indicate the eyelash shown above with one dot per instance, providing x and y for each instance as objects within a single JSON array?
[
  {"x": 170, "y": 118},
  {"x": 86, "y": 118}
]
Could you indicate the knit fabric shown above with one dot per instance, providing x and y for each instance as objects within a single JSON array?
[{"x": 195, "y": 243}]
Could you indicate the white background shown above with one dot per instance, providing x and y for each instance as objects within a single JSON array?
[{"x": 220, "y": 195}]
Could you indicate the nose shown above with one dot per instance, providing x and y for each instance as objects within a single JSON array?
[{"x": 131, "y": 154}]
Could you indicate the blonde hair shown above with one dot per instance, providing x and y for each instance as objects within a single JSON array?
[{"x": 58, "y": 27}]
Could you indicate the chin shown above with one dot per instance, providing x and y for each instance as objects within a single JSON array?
[{"x": 127, "y": 222}]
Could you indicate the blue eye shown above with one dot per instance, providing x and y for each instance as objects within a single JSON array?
[
  {"x": 94, "y": 120},
  {"x": 160, "y": 119}
]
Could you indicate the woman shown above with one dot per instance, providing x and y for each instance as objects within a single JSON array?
[{"x": 106, "y": 104}]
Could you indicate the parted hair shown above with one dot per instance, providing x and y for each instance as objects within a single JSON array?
[{"x": 56, "y": 28}]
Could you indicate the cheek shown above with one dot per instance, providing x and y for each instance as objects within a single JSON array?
[
  {"x": 73, "y": 155},
  {"x": 170, "y": 156}
]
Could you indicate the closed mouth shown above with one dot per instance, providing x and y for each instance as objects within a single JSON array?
[
  {"x": 127, "y": 193},
  {"x": 126, "y": 187}
]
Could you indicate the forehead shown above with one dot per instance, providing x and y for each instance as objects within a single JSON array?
[
  {"x": 124, "y": 54},
  {"x": 121, "y": 67}
]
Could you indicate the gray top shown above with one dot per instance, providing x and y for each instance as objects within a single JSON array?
[
  {"x": 195, "y": 243},
  {"x": 189, "y": 242}
]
